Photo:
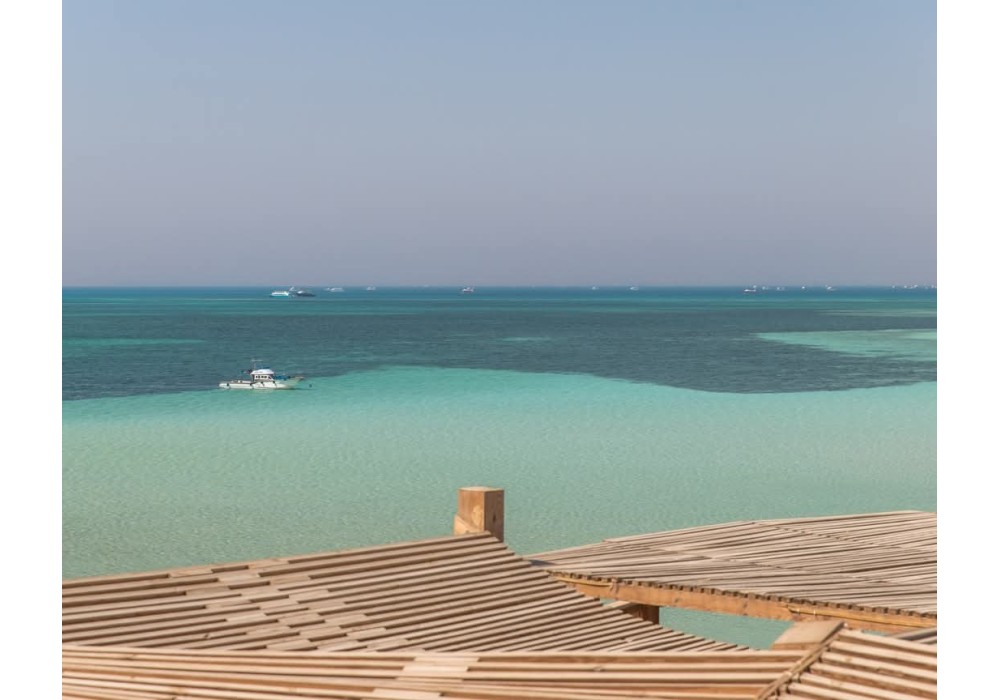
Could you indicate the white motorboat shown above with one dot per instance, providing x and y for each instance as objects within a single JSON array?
[
  {"x": 281, "y": 293},
  {"x": 262, "y": 378}
]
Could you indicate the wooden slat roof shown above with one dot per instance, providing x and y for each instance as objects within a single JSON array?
[
  {"x": 872, "y": 562},
  {"x": 92, "y": 672},
  {"x": 859, "y": 665},
  {"x": 848, "y": 665},
  {"x": 456, "y": 593}
]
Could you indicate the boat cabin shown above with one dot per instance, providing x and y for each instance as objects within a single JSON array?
[{"x": 261, "y": 375}]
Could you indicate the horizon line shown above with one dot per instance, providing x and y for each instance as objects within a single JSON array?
[{"x": 617, "y": 285}]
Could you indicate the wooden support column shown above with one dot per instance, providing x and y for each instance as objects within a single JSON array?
[{"x": 480, "y": 509}]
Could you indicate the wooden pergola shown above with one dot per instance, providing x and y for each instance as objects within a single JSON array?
[
  {"x": 450, "y": 593},
  {"x": 874, "y": 571},
  {"x": 464, "y": 617},
  {"x": 814, "y": 660}
]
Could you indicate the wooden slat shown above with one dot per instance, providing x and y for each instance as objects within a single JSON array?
[
  {"x": 444, "y": 594},
  {"x": 830, "y": 670},
  {"x": 156, "y": 674},
  {"x": 872, "y": 571}
]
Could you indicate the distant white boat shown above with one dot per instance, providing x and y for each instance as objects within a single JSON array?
[
  {"x": 369, "y": 289},
  {"x": 261, "y": 378},
  {"x": 334, "y": 289},
  {"x": 633, "y": 289},
  {"x": 292, "y": 292},
  {"x": 468, "y": 290}
]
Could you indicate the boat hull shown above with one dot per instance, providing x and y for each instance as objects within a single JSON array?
[{"x": 271, "y": 384}]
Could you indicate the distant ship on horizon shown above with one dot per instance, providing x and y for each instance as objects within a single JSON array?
[{"x": 292, "y": 292}]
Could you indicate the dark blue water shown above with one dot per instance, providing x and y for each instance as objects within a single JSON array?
[{"x": 119, "y": 342}]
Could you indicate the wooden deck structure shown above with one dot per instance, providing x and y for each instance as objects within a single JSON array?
[
  {"x": 832, "y": 665},
  {"x": 451, "y": 593},
  {"x": 875, "y": 571},
  {"x": 464, "y": 617}
]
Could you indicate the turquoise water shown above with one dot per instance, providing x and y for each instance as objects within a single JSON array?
[{"x": 156, "y": 474}]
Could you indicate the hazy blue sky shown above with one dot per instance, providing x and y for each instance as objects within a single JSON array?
[{"x": 449, "y": 142}]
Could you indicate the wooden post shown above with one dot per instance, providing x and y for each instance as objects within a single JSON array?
[{"x": 480, "y": 509}]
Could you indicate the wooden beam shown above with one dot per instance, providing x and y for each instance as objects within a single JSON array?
[
  {"x": 750, "y": 605},
  {"x": 480, "y": 509}
]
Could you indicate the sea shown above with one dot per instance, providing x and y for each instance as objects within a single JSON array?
[{"x": 601, "y": 412}]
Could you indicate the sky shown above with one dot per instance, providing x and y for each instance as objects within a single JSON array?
[{"x": 499, "y": 143}]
